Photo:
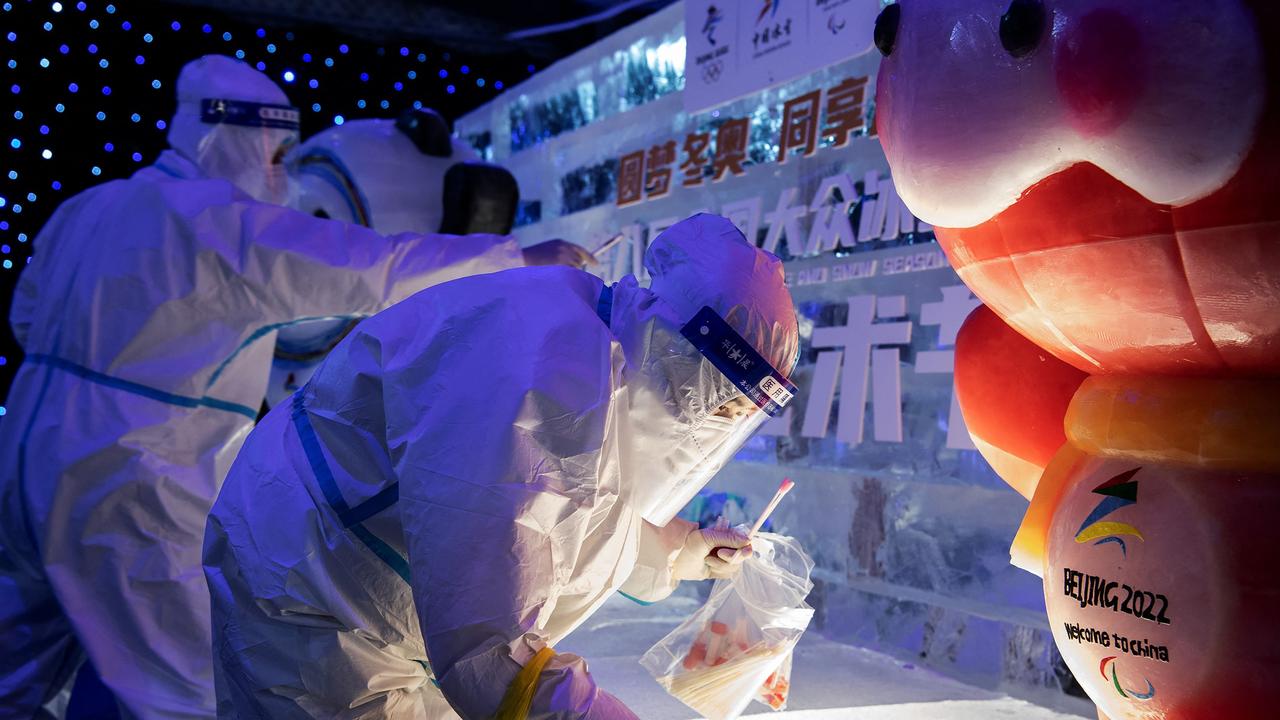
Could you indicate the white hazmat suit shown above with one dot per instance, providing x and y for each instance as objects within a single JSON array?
[
  {"x": 148, "y": 317},
  {"x": 472, "y": 473}
]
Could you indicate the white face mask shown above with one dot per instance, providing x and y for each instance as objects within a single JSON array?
[
  {"x": 693, "y": 462},
  {"x": 252, "y": 159},
  {"x": 693, "y": 450},
  {"x": 279, "y": 187}
]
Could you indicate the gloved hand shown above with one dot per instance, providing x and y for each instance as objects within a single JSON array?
[
  {"x": 558, "y": 252},
  {"x": 715, "y": 552}
]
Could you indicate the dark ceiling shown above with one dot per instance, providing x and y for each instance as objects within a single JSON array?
[{"x": 472, "y": 26}]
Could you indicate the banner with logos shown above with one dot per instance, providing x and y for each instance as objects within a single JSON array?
[{"x": 736, "y": 47}]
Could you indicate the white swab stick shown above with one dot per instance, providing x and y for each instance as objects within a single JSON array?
[
  {"x": 608, "y": 244},
  {"x": 783, "y": 489}
]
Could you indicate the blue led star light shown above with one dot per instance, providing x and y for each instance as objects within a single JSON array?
[{"x": 81, "y": 137}]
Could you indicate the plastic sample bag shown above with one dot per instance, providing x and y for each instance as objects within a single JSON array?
[{"x": 737, "y": 647}]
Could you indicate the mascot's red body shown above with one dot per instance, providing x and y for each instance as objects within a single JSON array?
[{"x": 1105, "y": 175}]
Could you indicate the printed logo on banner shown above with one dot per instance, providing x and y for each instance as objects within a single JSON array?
[
  {"x": 776, "y": 40},
  {"x": 712, "y": 70},
  {"x": 707, "y": 50},
  {"x": 714, "y": 18},
  {"x": 772, "y": 33},
  {"x": 766, "y": 6}
]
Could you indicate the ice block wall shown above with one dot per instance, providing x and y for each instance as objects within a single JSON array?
[{"x": 909, "y": 527}]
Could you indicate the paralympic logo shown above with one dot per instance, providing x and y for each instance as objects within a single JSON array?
[
  {"x": 1119, "y": 492},
  {"x": 1115, "y": 680}
]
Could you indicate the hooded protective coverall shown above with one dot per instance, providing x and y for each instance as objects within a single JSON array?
[
  {"x": 148, "y": 316},
  {"x": 472, "y": 473}
]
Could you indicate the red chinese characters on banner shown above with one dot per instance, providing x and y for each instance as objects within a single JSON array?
[
  {"x": 661, "y": 158},
  {"x": 800, "y": 126},
  {"x": 845, "y": 104},
  {"x": 695, "y": 150},
  {"x": 731, "y": 148},
  {"x": 649, "y": 175},
  {"x": 631, "y": 179}
]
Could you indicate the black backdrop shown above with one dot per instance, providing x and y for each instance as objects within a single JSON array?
[{"x": 88, "y": 90}]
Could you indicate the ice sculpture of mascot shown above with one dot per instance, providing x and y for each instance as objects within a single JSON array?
[{"x": 1105, "y": 175}]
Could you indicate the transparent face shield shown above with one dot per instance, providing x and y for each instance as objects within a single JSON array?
[
  {"x": 248, "y": 146},
  {"x": 724, "y": 390}
]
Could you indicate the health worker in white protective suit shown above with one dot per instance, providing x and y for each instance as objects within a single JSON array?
[
  {"x": 473, "y": 472},
  {"x": 402, "y": 175},
  {"x": 148, "y": 316}
]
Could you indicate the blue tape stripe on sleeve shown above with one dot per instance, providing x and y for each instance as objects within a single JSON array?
[
  {"x": 383, "y": 550},
  {"x": 315, "y": 456},
  {"x": 635, "y": 600},
  {"x": 143, "y": 390},
  {"x": 385, "y": 498},
  {"x": 350, "y": 518},
  {"x": 168, "y": 170},
  {"x": 430, "y": 673},
  {"x": 257, "y": 335}
]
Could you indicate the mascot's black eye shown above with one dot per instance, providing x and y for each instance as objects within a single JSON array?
[
  {"x": 1022, "y": 26},
  {"x": 886, "y": 33}
]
